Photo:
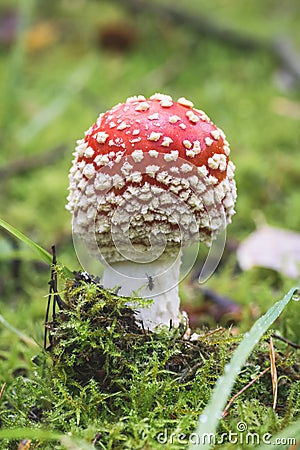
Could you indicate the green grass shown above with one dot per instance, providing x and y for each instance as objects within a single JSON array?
[{"x": 47, "y": 99}]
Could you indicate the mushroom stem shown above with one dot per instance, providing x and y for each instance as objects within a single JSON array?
[{"x": 157, "y": 280}]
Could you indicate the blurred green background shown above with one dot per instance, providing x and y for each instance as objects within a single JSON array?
[{"x": 64, "y": 62}]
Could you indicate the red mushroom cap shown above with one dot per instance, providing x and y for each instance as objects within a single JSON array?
[{"x": 141, "y": 152}]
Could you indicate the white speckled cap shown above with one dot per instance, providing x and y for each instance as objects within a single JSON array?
[{"x": 151, "y": 168}]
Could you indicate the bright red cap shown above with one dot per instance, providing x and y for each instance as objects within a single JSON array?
[{"x": 140, "y": 151}]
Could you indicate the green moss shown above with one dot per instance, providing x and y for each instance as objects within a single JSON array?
[{"x": 104, "y": 378}]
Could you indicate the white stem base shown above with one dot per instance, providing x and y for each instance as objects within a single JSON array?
[{"x": 157, "y": 280}]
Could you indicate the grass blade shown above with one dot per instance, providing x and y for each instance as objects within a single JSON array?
[
  {"x": 44, "y": 255},
  {"x": 70, "y": 443},
  {"x": 209, "y": 419},
  {"x": 27, "y": 340},
  {"x": 29, "y": 433}
]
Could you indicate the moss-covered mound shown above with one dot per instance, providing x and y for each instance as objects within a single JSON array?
[
  {"x": 95, "y": 336},
  {"x": 105, "y": 378}
]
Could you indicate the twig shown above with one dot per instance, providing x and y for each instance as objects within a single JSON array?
[
  {"x": 287, "y": 341},
  {"x": 211, "y": 332},
  {"x": 2, "y": 390},
  {"x": 279, "y": 47},
  {"x": 196, "y": 22},
  {"x": 54, "y": 296},
  {"x": 225, "y": 412},
  {"x": 273, "y": 373},
  {"x": 24, "y": 165}
]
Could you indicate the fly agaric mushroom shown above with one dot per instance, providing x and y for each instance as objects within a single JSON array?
[{"x": 150, "y": 177}]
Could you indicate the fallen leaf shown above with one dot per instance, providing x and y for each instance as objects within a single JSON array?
[
  {"x": 41, "y": 35},
  {"x": 25, "y": 444},
  {"x": 271, "y": 247},
  {"x": 285, "y": 107}
]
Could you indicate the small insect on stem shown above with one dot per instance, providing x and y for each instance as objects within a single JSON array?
[{"x": 150, "y": 282}]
